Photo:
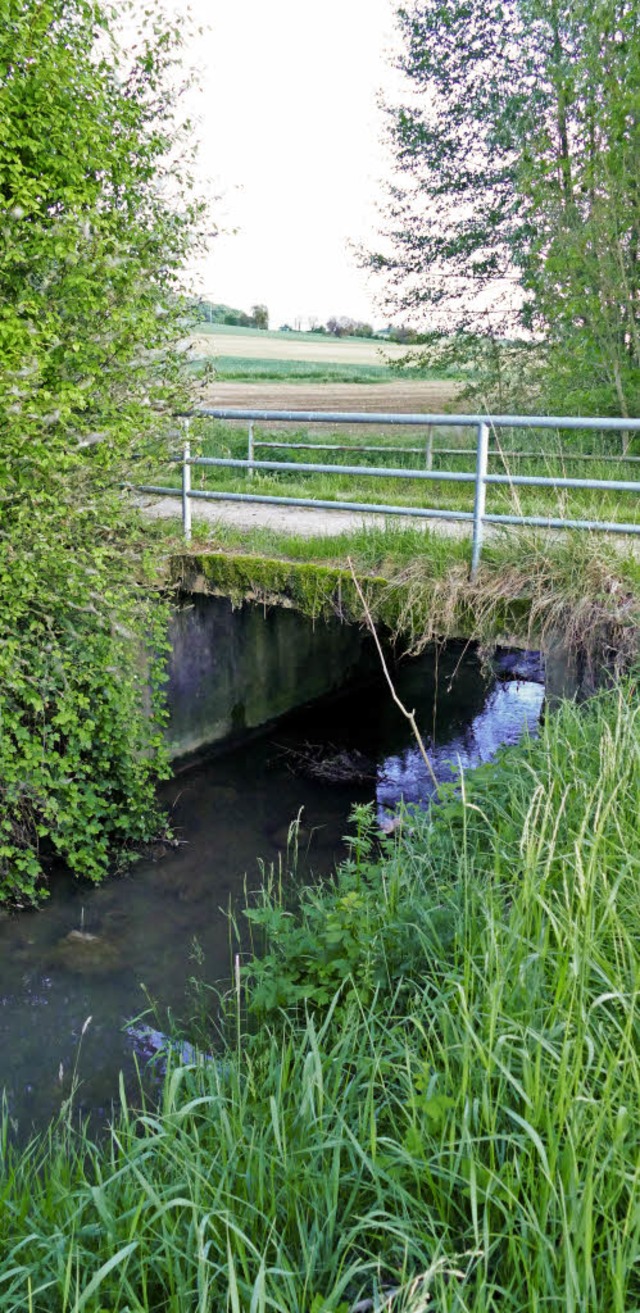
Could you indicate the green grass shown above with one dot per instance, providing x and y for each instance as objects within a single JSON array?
[
  {"x": 455, "y": 1127},
  {"x": 385, "y": 552},
  {"x": 249, "y": 370}
]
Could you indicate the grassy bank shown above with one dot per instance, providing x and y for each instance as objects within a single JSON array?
[{"x": 430, "y": 1097}]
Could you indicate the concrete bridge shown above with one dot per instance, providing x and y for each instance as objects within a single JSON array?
[{"x": 252, "y": 639}]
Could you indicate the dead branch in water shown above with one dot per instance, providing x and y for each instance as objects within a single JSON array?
[
  {"x": 410, "y": 715},
  {"x": 326, "y": 762}
]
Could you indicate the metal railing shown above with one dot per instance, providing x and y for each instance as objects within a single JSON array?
[{"x": 480, "y": 478}]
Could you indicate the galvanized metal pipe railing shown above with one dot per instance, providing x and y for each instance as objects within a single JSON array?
[
  {"x": 434, "y": 476},
  {"x": 606, "y": 424},
  {"x": 481, "y": 478},
  {"x": 480, "y": 498},
  {"x": 186, "y": 484},
  {"x": 497, "y": 452},
  {"x": 303, "y": 467}
]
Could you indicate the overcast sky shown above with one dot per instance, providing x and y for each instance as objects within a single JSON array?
[{"x": 291, "y": 136}]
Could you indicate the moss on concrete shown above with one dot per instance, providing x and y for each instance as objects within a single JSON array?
[
  {"x": 315, "y": 590},
  {"x": 415, "y": 609}
]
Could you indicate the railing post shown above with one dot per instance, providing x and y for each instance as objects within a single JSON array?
[
  {"x": 186, "y": 486},
  {"x": 429, "y": 448},
  {"x": 250, "y": 450},
  {"x": 482, "y": 457}
]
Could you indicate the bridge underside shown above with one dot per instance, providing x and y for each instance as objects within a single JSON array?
[{"x": 252, "y": 639}]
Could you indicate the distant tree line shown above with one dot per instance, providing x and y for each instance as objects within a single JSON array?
[
  {"x": 345, "y": 327},
  {"x": 211, "y": 312}
]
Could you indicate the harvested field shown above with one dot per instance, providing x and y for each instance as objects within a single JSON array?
[{"x": 401, "y": 396}]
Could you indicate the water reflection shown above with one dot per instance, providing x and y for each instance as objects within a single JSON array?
[{"x": 509, "y": 710}]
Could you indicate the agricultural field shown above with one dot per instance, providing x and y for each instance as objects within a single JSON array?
[
  {"x": 316, "y": 347},
  {"x": 245, "y": 355},
  {"x": 410, "y": 396},
  {"x": 285, "y": 371}
]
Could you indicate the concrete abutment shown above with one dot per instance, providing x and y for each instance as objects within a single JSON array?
[{"x": 233, "y": 670}]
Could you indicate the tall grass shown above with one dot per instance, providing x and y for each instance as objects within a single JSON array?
[{"x": 455, "y": 1129}]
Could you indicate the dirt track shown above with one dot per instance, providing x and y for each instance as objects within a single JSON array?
[{"x": 305, "y": 522}]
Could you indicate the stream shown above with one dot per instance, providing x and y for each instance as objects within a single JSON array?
[{"x": 123, "y": 953}]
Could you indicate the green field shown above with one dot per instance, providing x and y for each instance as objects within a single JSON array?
[{"x": 248, "y": 369}]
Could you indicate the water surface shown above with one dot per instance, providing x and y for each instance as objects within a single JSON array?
[{"x": 166, "y": 921}]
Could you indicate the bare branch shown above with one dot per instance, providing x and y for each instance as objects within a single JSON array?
[{"x": 410, "y": 715}]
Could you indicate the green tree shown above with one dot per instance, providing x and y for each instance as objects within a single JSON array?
[
  {"x": 585, "y": 262},
  {"x": 260, "y": 316},
  {"x": 97, "y": 218},
  {"x": 517, "y": 207}
]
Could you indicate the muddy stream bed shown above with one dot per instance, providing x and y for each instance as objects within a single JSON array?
[{"x": 111, "y": 952}]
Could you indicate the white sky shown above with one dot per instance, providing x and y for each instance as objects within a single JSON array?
[{"x": 291, "y": 136}]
